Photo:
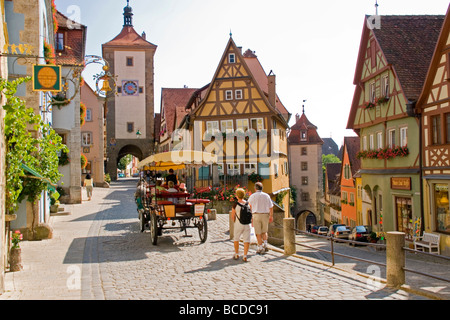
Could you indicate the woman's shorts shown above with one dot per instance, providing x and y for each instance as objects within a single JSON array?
[{"x": 241, "y": 230}]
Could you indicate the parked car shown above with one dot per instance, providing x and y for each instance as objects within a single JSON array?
[
  {"x": 342, "y": 232},
  {"x": 322, "y": 231},
  {"x": 121, "y": 175},
  {"x": 359, "y": 233},
  {"x": 333, "y": 229},
  {"x": 314, "y": 229}
]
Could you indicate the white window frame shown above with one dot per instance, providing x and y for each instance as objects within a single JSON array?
[
  {"x": 364, "y": 143},
  {"x": 371, "y": 142},
  {"x": 391, "y": 135},
  {"x": 403, "y": 136},
  {"x": 385, "y": 86},
  {"x": 257, "y": 126},
  {"x": 212, "y": 126},
  {"x": 242, "y": 124},
  {"x": 380, "y": 140},
  {"x": 86, "y": 139},
  {"x": 233, "y": 169},
  {"x": 250, "y": 168},
  {"x": 231, "y": 58},
  {"x": 228, "y": 95},
  {"x": 226, "y": 125},
  {"x": 238, "y": 94}
]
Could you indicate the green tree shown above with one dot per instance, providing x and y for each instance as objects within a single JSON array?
[
  {"x": 124, "y": 162},
  {"x": 31, "y": 142}
]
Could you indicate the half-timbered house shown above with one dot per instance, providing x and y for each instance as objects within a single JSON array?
[
  {"x": 434, "y": 107},
  {"x": 240, "y": 118},
  {"x": 393, "y": 60}
]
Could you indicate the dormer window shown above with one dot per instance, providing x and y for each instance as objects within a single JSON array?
[
  {"x": 303, "y": 136},
  {"x": 231, "y": 58}
]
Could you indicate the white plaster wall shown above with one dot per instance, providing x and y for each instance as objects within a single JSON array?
[{"x": 130, "y": 108}]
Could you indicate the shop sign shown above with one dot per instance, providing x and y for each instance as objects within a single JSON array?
[
  {"x": 401, "y": 183},
  {"x": 47, "y": 78}
]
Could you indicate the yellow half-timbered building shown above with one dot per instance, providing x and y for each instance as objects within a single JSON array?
[{"x": 240, "y": 118}]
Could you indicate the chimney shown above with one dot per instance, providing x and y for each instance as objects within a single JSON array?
[
  {"x": 272, "y": 91},
  {"x": 297, "y": 118}
]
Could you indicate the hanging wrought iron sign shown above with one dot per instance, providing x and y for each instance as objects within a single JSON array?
[{"x": 47, "y": 78}]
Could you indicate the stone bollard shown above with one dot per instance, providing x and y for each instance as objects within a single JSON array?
[
  {"x": 231, "y": 226},
  {"x": 395, "y": 259},
  {"x": 289, "y": 236}
]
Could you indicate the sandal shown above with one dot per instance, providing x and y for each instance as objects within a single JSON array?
[
  {"x": 244, "y": 258},
  {"x": 236, "y": 256}
]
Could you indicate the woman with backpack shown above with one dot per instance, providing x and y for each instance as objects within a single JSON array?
[{"x": 241, "y": 224}]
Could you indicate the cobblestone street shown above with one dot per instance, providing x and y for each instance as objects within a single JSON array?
[{"x": 98, "y": 252}]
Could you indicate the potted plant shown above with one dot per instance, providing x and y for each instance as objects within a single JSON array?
[
  {"x": 15, "y": 258},
  {"x": 373, "y": 238}
]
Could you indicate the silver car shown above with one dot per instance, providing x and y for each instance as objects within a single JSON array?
[
  {"x": 342, "y": 232},
  {"x": 322, "y": 231}
]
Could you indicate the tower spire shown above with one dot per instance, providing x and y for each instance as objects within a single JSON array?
[
  {"x": 376, "y": 7},
  {"x": 128, "y": 15}
]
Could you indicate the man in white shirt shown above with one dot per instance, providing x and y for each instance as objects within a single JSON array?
[{"x": 262, "y": 210}]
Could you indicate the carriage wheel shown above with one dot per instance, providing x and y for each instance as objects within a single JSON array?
[
  {"x": 202, "y": 229},
  {"x": 154, "y": 228}
]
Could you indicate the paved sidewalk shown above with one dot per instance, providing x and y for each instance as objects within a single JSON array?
[{"x": 97, "y": 252}]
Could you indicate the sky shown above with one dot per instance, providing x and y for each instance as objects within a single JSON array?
[{"x": 311, "y": 46}]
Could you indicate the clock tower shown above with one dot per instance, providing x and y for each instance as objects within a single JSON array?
[{"x": 130, "y": 113}]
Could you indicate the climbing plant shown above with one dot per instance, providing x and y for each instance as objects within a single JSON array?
[{"x": 31, "y": 142}]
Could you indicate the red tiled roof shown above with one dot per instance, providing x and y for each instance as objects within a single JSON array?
[
  {"x": 408, "y": 43},
  {"x": 174, "y": 101},
  {"x": 312, "y": 137},
  {"x": 261, "y": 77},
  {"x": 128, "y": 37}
]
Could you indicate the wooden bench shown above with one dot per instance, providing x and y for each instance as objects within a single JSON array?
[{"x": 428, "y": 240}]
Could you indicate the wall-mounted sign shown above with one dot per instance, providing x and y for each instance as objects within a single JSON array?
[
  {"x": 401, "y": 183},
  {"x": 47, "y": 78}
]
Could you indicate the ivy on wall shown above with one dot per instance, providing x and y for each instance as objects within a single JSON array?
[{"x": 38, "y": 149}]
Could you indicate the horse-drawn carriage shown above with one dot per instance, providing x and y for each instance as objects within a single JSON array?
[{"x": 160, "y": 209}]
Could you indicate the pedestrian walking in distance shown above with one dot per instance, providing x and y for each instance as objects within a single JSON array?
[
  {"x": 262, "y": 209},
  {"x": 240, "y": 229},
  {"x": 88, "y": 183}
]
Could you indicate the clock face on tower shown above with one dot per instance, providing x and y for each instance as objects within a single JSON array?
[{"x": 130, "y": 87}]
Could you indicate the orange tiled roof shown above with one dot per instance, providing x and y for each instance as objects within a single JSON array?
[{"x": 130, "y": 38}]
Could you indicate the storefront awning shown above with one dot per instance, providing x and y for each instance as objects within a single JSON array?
[{"x": 50, "y": 186}]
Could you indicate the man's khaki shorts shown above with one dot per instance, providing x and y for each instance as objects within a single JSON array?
[{"x": 261, "y": 222}]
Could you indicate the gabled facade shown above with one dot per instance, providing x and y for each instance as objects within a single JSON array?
[
  {"x": 390, "y": 72},
  {"x": 350, "y": 166},
  {"x": 434, "y": 107},
  {"x": 173, "y": 110},
  {"x": 306, "y": 174},
  {"x": 234, "y": 117}
]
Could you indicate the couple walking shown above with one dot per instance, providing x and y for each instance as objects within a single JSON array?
[{"x": 262, "y": 210}]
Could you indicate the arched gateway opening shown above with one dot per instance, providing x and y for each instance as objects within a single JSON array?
[
  {"x": 305, "y": 218},
  {"x": 113, "y": 160}
]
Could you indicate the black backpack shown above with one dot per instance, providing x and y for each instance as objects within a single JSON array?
[{"x": 245, "y": 213}]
